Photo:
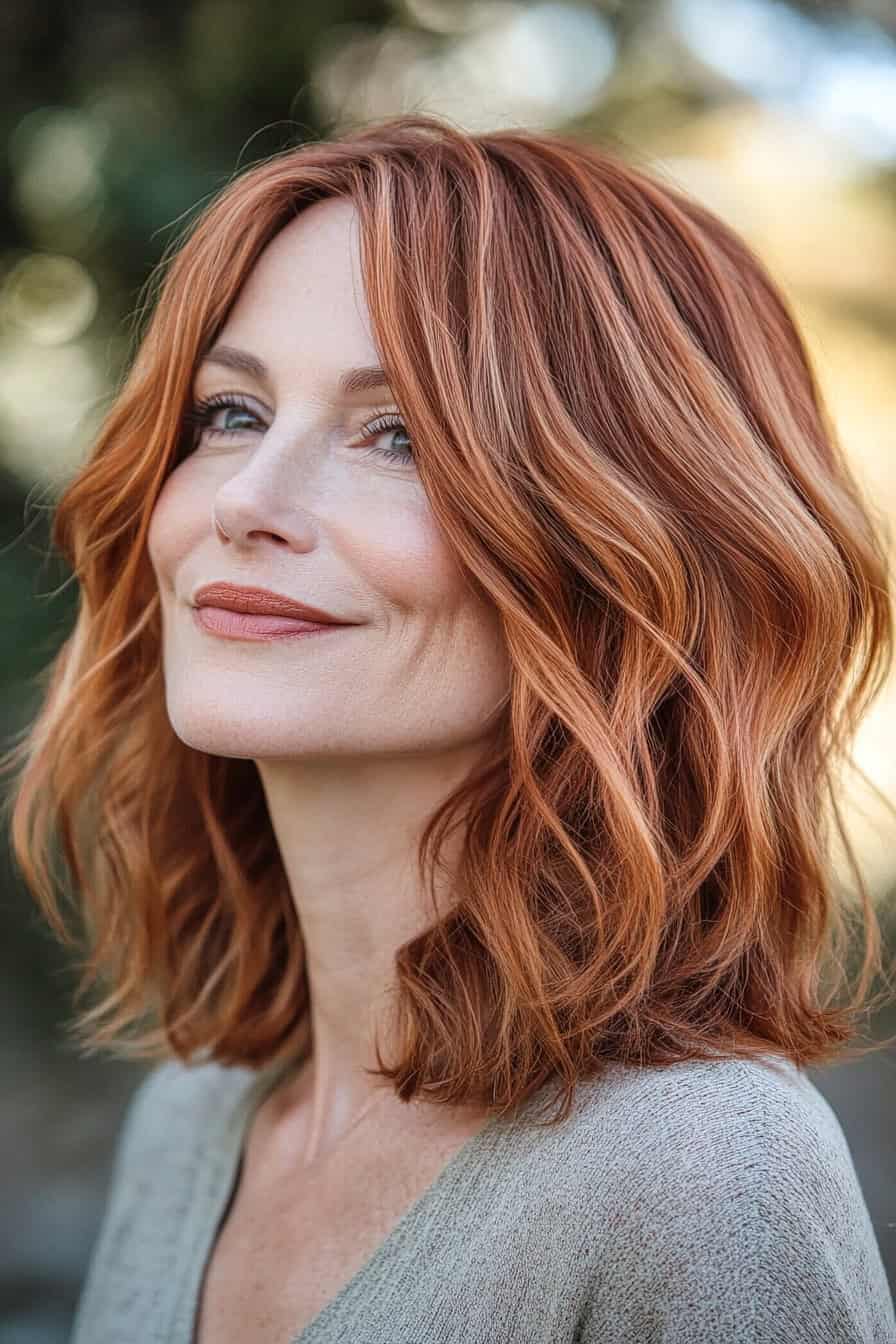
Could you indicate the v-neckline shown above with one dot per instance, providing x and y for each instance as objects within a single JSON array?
[{"x": 231, "y": 1145}]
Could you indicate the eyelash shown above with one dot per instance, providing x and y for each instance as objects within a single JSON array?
[{"x": 200, "y": 413}]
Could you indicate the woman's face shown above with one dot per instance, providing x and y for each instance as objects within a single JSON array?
[{"x": 315, "y": 508}]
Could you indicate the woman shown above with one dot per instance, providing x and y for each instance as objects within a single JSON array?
[{"x": 529, "y": 805}]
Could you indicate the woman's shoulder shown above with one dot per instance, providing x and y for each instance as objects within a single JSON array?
[
  {"x": 696, "y": 1104},
  {"x": 728, "y": 1183},
  {"x": 177, "y": 1099},
  {"x": 754, "y": 1129},
  {"x": 174, "y": 1125},
  {"x": 706, "y": 1102}
]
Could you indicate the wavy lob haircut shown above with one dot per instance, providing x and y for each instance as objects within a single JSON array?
[{"x": 621, "y": 438}]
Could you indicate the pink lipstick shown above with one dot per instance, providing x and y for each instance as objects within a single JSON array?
[{"x": 258, "y": 613}]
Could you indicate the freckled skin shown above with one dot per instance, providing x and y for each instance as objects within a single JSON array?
[{"x": 357, "y": 735}]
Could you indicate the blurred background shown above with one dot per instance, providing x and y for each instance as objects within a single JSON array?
[{"x": 121, "y": 118}]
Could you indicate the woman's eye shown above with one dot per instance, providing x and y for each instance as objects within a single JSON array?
[
  {"x": 201, "y": 414},
  {"x": 236, "y": 416},
  {"x": 390, "y": 427}
]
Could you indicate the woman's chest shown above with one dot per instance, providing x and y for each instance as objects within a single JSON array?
[
  {"x": 288, "y": 1245},
  {"x": 270, "y": 1275}
]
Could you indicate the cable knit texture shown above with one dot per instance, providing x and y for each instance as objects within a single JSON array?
[{"x": 698, "y": 1203}]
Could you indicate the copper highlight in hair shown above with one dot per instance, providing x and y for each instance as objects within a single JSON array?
[{"x": 622, "y": 439}]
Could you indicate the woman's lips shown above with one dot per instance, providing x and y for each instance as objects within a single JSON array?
[{"x": 255, "y": 625}]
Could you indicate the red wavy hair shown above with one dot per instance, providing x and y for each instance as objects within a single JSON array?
[{"x": 620, "y": 434}]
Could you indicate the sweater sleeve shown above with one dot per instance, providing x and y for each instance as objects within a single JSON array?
[{"x": 749, "y": 1225}]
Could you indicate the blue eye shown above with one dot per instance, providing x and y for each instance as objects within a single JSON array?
[
  {"x": 197, "y": 421},
  {"x": 200, "y": 414},
  {"x": 374, "y": 428}
]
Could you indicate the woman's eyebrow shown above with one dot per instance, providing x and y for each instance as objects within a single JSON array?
[{"x": 362, "y": 379}]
